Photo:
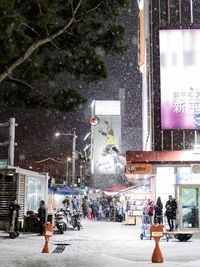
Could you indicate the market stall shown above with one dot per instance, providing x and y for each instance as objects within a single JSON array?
[{"x": 28, "y": 187}]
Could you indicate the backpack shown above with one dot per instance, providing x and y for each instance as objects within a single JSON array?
[{"x": 150, "y": 210}]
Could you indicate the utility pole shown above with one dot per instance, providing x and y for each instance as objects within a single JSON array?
[
  {"x": 67, "y": 176},
  {"x": 11, "y": 148},
  {"x": 11, "y": 143},
  {"x": 73, "y": 153},
  {"x": 74, "y": 158}
]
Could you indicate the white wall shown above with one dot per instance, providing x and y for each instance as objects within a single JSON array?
[{"x": 165, "y": 183}]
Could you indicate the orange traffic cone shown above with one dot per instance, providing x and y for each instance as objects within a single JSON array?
[{"x": 46, "y": 245}]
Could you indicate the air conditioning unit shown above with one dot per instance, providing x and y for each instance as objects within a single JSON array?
[{"x": 195, "y": 168}]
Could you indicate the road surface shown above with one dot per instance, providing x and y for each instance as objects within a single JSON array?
[{"x": 98, "y": 244}]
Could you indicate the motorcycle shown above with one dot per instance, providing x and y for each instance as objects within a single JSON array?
[
  {"x": 76, "y": 220},
  {"x": 61, "y": 221}
]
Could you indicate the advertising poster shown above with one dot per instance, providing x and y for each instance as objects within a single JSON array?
[
  {"x": 180, "y": 78},
  {"x": 106, "y": 137}
]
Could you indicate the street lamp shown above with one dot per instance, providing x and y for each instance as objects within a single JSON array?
[
  {"x": 73, "y": 152},
  {"x": 67, "y": 176}
]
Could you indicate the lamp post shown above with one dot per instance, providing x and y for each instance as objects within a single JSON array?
[
  {"x": 73, "y": 152},
  {"x": 67, "y": 176}
]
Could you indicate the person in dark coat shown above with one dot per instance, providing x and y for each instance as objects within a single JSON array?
[
  {"x": 14, "y": 207},
  {"x": 158, "y": 208},
  {"x": 171, "y": 207},
  {"x": 42, "y": 216}
]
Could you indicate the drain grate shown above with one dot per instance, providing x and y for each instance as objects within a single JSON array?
[{"x": 60, "y": 248}]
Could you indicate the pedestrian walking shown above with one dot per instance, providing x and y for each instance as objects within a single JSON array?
[
  {"x": 100, "y": 212},
  {"x": 158, "y": 215},
  {"x": 42, "y": 216},
  {"x": 170, "y": 213},
  {"x": 85, "y": 207},
  {"x": 75, "y": 204}
]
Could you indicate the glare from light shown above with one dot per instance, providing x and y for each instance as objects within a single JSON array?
[
  {"x": 57, "y": 134},
  {"x": 141, "y": 4}
]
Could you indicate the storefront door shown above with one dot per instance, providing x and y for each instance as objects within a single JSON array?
[{"x": 190, "y": 204}]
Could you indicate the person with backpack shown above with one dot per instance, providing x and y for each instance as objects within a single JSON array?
[{"x": 150, "y": 209}]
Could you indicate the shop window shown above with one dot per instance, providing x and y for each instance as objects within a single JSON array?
[
  {"x": 190, "y": 212},
  {"x": 35, "y": 190},
  {"x": 183, "y": 170}
]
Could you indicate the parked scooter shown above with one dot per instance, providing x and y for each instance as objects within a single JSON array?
[
  {"x": 76, "y": 220},
  {"x": 61, "y": 221}
]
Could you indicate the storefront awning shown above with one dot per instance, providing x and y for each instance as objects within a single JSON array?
[
  {"x": 66, "y": 190},
  {"x": 163, "y": 156}
]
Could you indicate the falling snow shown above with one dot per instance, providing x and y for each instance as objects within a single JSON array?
[{"x": 35, "y": 132}]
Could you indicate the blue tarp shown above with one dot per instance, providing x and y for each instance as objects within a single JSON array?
[{"x": 65, "y": 190}]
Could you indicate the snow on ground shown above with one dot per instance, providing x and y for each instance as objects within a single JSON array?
[{"x": 98, "y": 244}]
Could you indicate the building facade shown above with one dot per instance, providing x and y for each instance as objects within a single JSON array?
[
  {"x": 169, "y": 53},
  {"x": 169, "y": 61}
]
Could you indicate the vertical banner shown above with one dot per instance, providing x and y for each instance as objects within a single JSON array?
[
  {"x": 106, "y": 137},
  {"x": 180, "y": 78}
]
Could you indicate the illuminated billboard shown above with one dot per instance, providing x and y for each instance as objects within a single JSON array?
[
  {"x": 180, "y": 78},
  {"x": 106, "y": 137}
]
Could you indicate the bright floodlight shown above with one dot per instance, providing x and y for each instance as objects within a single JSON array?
[{"x": 57, "y": 134}]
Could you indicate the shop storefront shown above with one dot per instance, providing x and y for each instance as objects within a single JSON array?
[{"x": 175, "y": 173}]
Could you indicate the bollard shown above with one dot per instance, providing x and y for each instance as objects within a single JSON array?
[
  {"x": 156, "y": 231},
  {"x": 48, "y": 233},
  {"x": 46, "y": 245}
]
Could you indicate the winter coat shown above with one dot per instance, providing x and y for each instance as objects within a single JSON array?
[
  {"x": 158, "y": 209},
  {"x": 42, "y": 213},
  {"x": 171, "y": 207},
  {"x": 14, "y": 207}
]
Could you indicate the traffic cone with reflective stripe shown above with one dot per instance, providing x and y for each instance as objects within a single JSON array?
[{"x": 46, "y": 245}]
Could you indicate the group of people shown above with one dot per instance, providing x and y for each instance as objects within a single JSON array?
[
  {"x": 109, "y": 209},
  {"x": 103, "y": 209},
  {"x": 154, "y": 211}
]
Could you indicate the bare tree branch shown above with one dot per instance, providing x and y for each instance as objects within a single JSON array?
[
  {"x": 29, "y": 28},
  {"x": 91, "y": 10},
  {"x": 37, "y": 44},
  {"x": 39, "y": 6},
  {"x": 52, "y": 42},
  {"x": 25, "y": 83}
]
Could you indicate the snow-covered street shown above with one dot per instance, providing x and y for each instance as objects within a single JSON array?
[{"x": 97, "y": 244}]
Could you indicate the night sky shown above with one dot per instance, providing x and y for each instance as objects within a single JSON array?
[{"x": 35, "y": 132}]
